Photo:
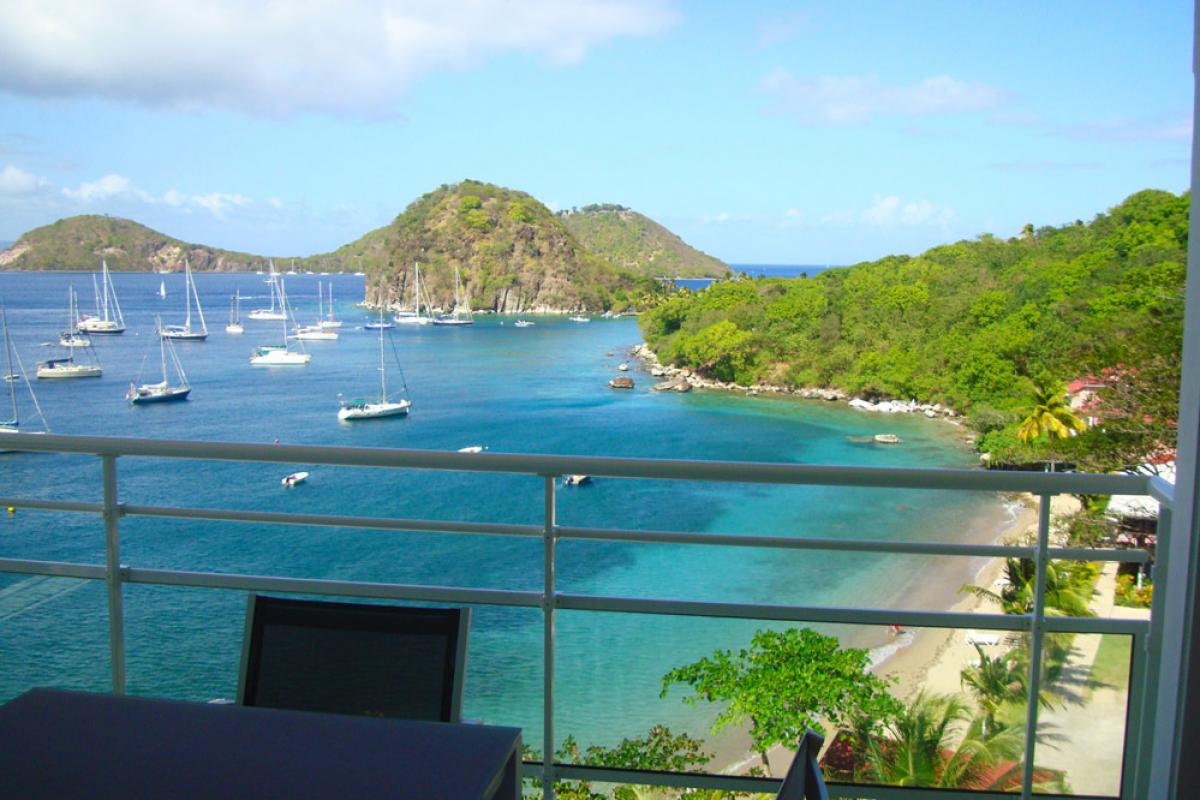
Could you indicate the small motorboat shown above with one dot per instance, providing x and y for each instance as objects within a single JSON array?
[
  {"x": 887, "y": 438},
  {"x": 579, "y": 318},
  {"x": 293, "y": 479},
  {"x": 474, "y": 448},
  {"x": 622, "y": 367},
  {"x": 576, "y": 480},
  {"x": 523, "y": 323}
]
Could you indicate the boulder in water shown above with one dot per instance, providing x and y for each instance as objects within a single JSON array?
[{"x": 621, "y": 382}]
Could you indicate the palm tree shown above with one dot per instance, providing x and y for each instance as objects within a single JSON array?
[
  {"x": 999, "y": 680},
  {"x": 1064, "y": 597},
  {"x": 935, "y": 743},
  {"x": 1051, "y": 417}
]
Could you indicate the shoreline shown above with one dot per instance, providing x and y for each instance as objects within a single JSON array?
[{"x": 920, "y": 659}]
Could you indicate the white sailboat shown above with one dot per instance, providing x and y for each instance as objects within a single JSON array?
[
  {"x": 162, "y": 290},
  {"x": 316, "y": 332},
  {"x": 382, "y": 323},
  {"x": 276, "y": 311},
  {"x": 375, "y": 409},
  {"x": 329, "y": 321},
  {"x": 273, "y": 355},
  {"x": 461, "y": 314},
  {"x": 186, "y": 331},
  {"x": 414, "y": 317},
  {"x": 71, "y": 337},
  {"x": 68, "y": 367},
  {"x": 235, "y": 309},
  {"x": 13, "y": 423},
  {"x": 162, "y": 392},
  {"x": 108, "y": 319}
]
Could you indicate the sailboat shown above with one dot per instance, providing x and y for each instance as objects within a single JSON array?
[
  {"x": 162, "y": 290},
  {"x": 108, "y": 319},
  {"x": 162, "y": 392},
  {"x": 274, "y": 312},
  {"x": 71, "y": 337},
  {"x": 186, "y": 331},
  {"x": 374, "y": 409},
  {"x": 414, "y": 317},
  {"x": 461, "y": 314},
  {"x": 13, "y": 423},
  {"x": 66, "y": 367},
  {"x": 329, "y": 321},
  {"x": 382, "y": 323},
  {"x": 316, "y": 331},
  {"x": 235, "y": 308},
  {"x": 273, "y": 355}
]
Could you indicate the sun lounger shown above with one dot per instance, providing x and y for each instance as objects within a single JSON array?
[{"x": 975, "y": 637}]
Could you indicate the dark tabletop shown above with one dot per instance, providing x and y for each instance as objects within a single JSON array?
[{"x": 72, "y": 745}]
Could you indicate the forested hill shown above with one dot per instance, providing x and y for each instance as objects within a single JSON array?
[
  {"x": 634, "y": 241},
  {"x": 512, "y": 254},
  {"x": 975, "y": 325},
  {"x": 79, "y": 243}
]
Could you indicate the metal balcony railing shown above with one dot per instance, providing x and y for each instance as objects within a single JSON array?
[{"x": 1147, "y": 635}]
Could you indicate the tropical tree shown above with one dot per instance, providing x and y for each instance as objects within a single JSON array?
[
  {"x": 998, "y": 680},
  {"x": 1068, "y": 588},
  {"x": 935, "y": 743},
  {"x": 1051, "y": 419},
  {"x": 784, "y": 683}
]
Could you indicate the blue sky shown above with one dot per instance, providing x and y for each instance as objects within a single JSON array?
[{"x": 788, "y": 132}]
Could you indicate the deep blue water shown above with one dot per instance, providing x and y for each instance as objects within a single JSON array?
[{"x": 534, "y": 390}]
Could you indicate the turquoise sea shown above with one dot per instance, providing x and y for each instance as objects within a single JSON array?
[{"x": 540, "y": 389}]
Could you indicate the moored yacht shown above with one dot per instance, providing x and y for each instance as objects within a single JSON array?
[{"x": 108, "y": 319}]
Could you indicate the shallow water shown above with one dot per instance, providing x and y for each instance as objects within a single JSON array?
[{"x": 533, "y": 390}]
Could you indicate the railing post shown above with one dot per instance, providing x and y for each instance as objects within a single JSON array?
[
  {"x": 549, "y": 538},
  {"x": 1150, "y": 736},
  {"x": 112, "y": 547},
  {"x": 1037, "y": 632}
]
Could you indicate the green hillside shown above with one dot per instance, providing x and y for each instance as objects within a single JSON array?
[
  {"x": 78, "y": 243},
  {"x": 976, "y": 325},
  {"x": 639, "y": 244},
  {"x": 513, "y": 255}
]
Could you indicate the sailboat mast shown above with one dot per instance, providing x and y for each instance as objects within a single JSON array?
[
  {"x": 162, "y": 352},
  {"x": 196, "y": 296},
  {"x": 12, "y": 384},
  {"x": 382, "y": 370},
  {"x": 187, "y": 302},
  {"x": 104, "y": 267},
  {"x": 96, "y": 293},
  {"x": 417, "y": 288}
]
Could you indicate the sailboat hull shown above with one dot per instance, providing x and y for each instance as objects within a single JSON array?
[
  {"x": 260, "y": 313},
  {"x": 143, "y": 395},
  {"x": 373, "y": 410},
  {"x": 101, "y": 327},
  {"x": 61, "y": 371},
  {"x": 453, "y": 321},
  {"x": 182, "y": 334}
]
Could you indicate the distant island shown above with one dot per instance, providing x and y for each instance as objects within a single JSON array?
[{"x": 512, "y": 253}]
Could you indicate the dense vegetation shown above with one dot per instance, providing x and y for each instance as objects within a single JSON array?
[
  {"x": 513, "y": 254},
  {"x": 637, "y": 243},
  {"x": 79, "y": 242},
  {"x": 982, "y": 326}
]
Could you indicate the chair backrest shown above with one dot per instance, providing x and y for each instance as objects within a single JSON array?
[
  {"x": 354, "y": 658},
  {"x": 804, "y": 780}
]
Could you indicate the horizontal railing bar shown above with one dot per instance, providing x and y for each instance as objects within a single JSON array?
[
  {"x": 1099, "y": 554},
  {"x": 333, "y": 520},
  {"x": 851, "y": 616},
  {"x": 750, "y": 784},
  {"x": 51, "y": 505},
  {"x": 55, "y": 569},
  {"x": 380, "y": 591},
  {"x": 1161, "y": 490},
  {"x": 667, "y": 469},
  {"x": 791, "y": 543},
  {"x": 1121, "y": 625}
]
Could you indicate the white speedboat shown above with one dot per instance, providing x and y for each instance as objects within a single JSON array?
[
  {"x": 579, "y": 318},
  {"x": 108, "y": 319},
  {"x": 185, "y": 331},
  {"x": 576, "y": 480},
  {"x": 523, "y": 323},
  {"x": 295, "y": 478},
  {"x": 473, "y": 448}
]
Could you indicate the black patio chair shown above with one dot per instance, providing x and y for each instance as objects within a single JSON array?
[
  {"x": 354, "y": 658},
  {"x": 804, "y": 780}
]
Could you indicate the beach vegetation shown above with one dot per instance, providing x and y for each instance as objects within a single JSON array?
[
  {"x": 996, "y": 681},
  {"x": 1131, "y": 595},
  {"x": 1068, "y": 587},
  {"x": 785, "y": 683}
]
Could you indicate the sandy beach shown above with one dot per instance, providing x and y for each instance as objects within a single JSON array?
[{"x": 929, "y": 659}]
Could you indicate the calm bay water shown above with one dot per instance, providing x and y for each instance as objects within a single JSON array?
[{"x": 534, "y": 390}]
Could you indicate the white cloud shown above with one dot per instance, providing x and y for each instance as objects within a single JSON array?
[
  {"x": 891, "y": 212},
  {"x": 858, "y": 98},
  {"x": 174, "y": 198},
  {"x": 14, "y": 180},
  {"x": 106, "y": 188},
  {"x": 276, "y": 57},
  {"x": 220, "y": 203}
]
